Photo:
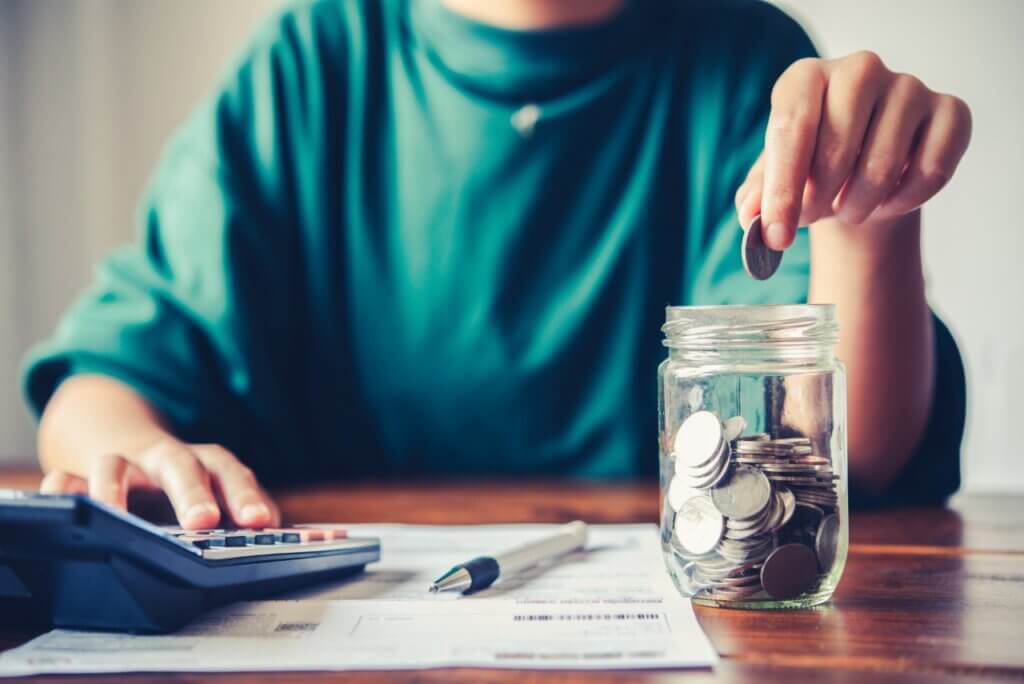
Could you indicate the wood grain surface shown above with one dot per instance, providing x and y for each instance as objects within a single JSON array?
[{"x": 928, "y": 594}]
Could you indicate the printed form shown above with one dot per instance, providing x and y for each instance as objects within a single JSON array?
[{"x": 610, "y": 606}]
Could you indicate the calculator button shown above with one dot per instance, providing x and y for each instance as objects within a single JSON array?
[
  {"x": 325, "y": 533},
  {"x": 296, "y": 535},
  {"x": 234, "y": 540},
  {"x": 284, "y": 536},
  {"x": 264, "y": 538},
  {"x": 199, "y": 541}
]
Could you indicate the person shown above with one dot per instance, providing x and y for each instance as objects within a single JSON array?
[{"x": 416, "y": 237}]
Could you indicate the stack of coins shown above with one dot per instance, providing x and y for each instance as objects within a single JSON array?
[{"x": 748, "y": 514}]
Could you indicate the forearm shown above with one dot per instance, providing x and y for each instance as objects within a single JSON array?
[
  {"x": 95, "y": 415},
  {"x": 873, "y": 274}
]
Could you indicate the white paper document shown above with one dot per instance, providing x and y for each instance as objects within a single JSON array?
[{"x": 610, "y": 606}]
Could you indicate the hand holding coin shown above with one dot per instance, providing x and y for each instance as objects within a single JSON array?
[
  {"x": 759, "y": 260},
  {"x": 849, "y": 138}
]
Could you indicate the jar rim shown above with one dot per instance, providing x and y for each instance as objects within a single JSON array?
[
  {"x": 739, "y": 326},
  {"x": 825, "y": 308}
]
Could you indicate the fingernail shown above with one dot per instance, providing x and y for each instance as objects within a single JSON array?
[
  {"x": 201, "y": 511},
  {"x": 253, "y": 511},
  {"x": 776, "y": 236}
]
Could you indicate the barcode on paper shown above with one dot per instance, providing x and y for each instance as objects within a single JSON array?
[{"x": 585, "y": 617}]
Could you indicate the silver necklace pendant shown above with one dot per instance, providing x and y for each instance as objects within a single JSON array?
[{"x": 525, "y": 119}]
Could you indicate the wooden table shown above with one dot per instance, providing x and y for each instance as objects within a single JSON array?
[{"x": 928, "y": 594}]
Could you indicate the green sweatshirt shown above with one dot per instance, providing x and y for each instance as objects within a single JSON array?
[{"x": 398, "y": 242}]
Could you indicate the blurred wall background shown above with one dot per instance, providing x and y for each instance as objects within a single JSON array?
[{"x": 90, "y": 90}]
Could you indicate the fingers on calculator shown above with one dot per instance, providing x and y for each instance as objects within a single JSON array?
[{"x": 205, "y": 484}]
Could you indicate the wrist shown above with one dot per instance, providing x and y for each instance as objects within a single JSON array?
[
  {"x": 91, "y": 416},
  {"x": 887, "y": 248},
  {"x": 873, "y": 238}
]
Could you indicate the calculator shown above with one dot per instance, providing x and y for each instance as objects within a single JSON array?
[{"x": 70, "y": 561}]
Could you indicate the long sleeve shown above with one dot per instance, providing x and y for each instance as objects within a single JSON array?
[
  {"x": 198, "y": 315},
  {"x": 933, "y": 473}
]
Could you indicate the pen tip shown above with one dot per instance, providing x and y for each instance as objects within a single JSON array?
[{"x": 433, "y": 588}]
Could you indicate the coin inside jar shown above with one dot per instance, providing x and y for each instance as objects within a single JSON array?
[
  {"x": 744, "y": 495},
  {"x": 826, "y": 541},
  {"x": 698, "y": 440},
  {"x": 733, "y": 428},
  {"x": 699, "y": 525},
  {"x": 679, "y": 493},
  {"x": 768, "y": 491},
  {"x": 789, "y": 571}
]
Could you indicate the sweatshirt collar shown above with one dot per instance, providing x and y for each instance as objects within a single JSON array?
[{"x": 526, "y": 65}]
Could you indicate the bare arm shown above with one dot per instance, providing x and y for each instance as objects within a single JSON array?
[
  {"x": 99, "y": 436},
  {"x": 886, "y": 339},
  {"x": 853, "y": 150}
]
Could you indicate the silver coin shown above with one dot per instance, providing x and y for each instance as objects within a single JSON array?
[
  {"x": 789, "y": 504},
  {"x": 726, "y": 469},
  {"x": 759, "y": 260},
  {"x": 744, "y": 495},
  {"x": 826, "y": 489},
  {"x": 744, "y": 569},
  {"x": 711, "y": 480},
  {"x": 700, "y": 577},
  {"x": 742, "y": 545},
  {"x": 772, "y": 448},
  {"x": 819, "y": 500},
  {"x": 712, "y": 466},
  {"x": 792, "y": 468},
  {"x": 811, "y": 496},
  {"x": 826, "y": 541},
  {"x": 744, "y": 580},
  {"x": 699, "y": 525},
  {"x": 755, "y": 523},
  {"x": 734, "y": 427},
  {"x": 755, "y": 437},
  {"x": 744, "y": 548},
  {"x": 776, "y": 509},
  {"x": 678, "y": 493},
  {"x": 747, "y": 459},
  {"x": 795, "y": 441},
  {"x": 678, "y": 549},
  {"x": 813, "y": 460},
  {"x": 803, "y": 480},
  {"x": 698, "y": 440},
  {"x": 687, "y": 576},
  {"x": 751, "y": 550},
  {"x": 740, "y": 535},
  {"x": 762, "y": 446},
  {"x": 766, "y": 449},
  {"x": 789, "y": 571}
]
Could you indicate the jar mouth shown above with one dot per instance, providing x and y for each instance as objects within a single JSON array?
[{"x": 743, "y": 326}]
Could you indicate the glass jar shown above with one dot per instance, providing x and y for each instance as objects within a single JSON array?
[{"x": 752, "y": 420}]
